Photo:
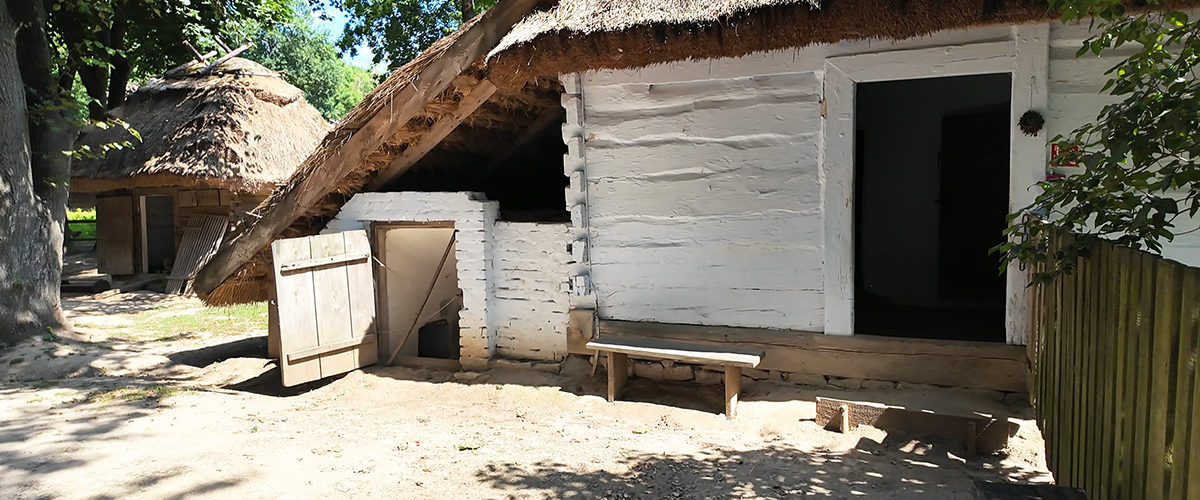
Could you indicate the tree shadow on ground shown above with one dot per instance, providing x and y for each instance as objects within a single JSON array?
[
  {"x": 780, "y": 470},
  {"x": 36, "y": 442}
]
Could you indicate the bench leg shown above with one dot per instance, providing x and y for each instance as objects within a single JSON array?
[
  {"x": 733, "y": 386},
  {"x": 618, "y": 371}
]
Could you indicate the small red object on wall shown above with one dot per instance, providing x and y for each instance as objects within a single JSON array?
[{"x": 1055, "y": 150}]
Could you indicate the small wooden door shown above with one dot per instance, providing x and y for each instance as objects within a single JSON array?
[
  {"x": 114, "y": 234},
  {"x": 326, "y": 299}
]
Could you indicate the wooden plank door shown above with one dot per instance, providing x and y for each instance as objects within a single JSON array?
[
  {"x": 326, "y": 299},
  {"x": 114, "y": 234}
]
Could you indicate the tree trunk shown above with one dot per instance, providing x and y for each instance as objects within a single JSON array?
[
  {"x": 118, "y": 77},
  {"x": 468, "y": 9},
  {"x": 33, "y": 175}
]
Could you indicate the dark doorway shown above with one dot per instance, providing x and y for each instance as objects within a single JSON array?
[
  {"x": 931, "y": 196},
  {"x": 158, "y": 213}
]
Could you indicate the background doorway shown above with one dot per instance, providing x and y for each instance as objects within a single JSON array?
[{"x": 931, "y": 196}]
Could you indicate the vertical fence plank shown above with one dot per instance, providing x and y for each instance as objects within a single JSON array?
[
  {"x": 1144, "y": 331},
  {"x": 1100, "y": 357},
  {"x": 1066, "y": 472},
  {"x": 1193, "y": 442},
  {"x": 1164, "y": 339},
  {"x": 1132, "y": 360},
  {"x": 1087, "y": 389},
  {"x": 1185, "y": 375}
]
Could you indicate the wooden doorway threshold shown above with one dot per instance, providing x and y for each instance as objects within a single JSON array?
[{"x": 975, "y": 365}]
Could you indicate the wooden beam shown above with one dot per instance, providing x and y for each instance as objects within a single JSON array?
[
  {"x": 470, "y": 45},
  {"x": 981, "y": 365},
  {"x": 478, "y": 95}
]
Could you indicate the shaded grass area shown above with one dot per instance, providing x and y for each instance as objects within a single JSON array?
[
  {"x": 131, "y": 394},
  {"x": 83, "y": 221},
  {"x": 179, "y": 323}
]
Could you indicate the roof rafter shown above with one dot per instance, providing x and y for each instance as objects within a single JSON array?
[
  {"x": 472, "y": 44},
  {"x": 425, "y": 143}
]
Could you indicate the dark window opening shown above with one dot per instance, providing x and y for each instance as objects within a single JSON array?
[{"x": 931, "y": 196}]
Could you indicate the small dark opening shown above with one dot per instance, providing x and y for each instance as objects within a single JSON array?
[
  {"x": 160, "y": 233},
  {"x": 438, "y": 340},
  {"x": 931, "y": 197}
]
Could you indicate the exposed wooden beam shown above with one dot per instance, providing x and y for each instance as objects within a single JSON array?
[
  {"x": 529, "y": 134},
  {"x": 478, "y": 95},
  {"x": 471, "y": 45}
]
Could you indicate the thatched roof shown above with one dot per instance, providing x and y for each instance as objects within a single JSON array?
[
  {"x": 323, "y": 176},
  {"x": 580, "y": 35},
  {"x": 240, "y": 126},
  {"x": 568, "y": 36}
]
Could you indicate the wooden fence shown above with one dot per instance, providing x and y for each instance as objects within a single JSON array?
[{"x": 1113, "y": 356}]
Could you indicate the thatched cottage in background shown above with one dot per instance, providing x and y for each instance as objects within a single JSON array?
[
  {"x": 214, "y": 143},
  {"x": 819, "y": 182}
]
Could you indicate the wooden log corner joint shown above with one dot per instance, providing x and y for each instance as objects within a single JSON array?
[{"x": 618, "y": 350}]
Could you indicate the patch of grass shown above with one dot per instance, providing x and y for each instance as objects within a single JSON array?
[
  {"x": 210, "y": 321},
  {"x": 132, "y": 394},
  {"x": 86, "y": 224}
]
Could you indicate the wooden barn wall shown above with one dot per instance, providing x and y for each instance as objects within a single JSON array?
[
  {"x": 530, "y": 270},
  {"x": 703, "y": 197}
]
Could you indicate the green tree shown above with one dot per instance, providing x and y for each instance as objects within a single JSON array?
[
  {"x": 309, "y": 61},
  {"x": 398, "y": 30},
  {"x": 46, "y": 46},
  {"x": 106, "y": 42},
  {"x": 1140, "y": 158}
]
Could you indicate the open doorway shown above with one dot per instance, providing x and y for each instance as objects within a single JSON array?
[
  {"x": 931, "y": 196},
  {"x": 420, "y": 297},
  {"x": 158, "y": 233}
]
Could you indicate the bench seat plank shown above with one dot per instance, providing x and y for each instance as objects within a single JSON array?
[{"x": 678, "y": 351}]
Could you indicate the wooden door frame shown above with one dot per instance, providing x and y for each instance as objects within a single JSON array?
[
  {"x": 1025, "y": 56},
  {"x": 375, "y": 232}
]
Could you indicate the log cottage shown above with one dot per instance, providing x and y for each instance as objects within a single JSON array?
[
  {"x": 214, "y": 142},
  {"x": 816, "y": 182}
]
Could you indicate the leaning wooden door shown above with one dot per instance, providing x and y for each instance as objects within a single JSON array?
[{"x": 326, "y": 297}]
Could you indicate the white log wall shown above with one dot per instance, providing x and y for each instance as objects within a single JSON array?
[{"x": 703, "y": 180}]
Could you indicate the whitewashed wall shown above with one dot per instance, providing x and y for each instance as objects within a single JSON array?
[
  {"x": 704, "y": 198},
  {"x": 474, "y": 218},
  {"x": 704, "y": 193},
  {"x": 513, "y": 275},
  {"x": 1075, "y": 99},
  {"x": 530, "y": 269}
]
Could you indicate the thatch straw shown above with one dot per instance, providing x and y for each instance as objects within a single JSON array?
[
  {"x": 581, "y": 35},
  {"x": 241, "y": 126}
]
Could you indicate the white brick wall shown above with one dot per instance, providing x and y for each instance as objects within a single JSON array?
[
  {"x": 531, "y": 269},
  {"x": 513, "y": 275},
  {"x": 473, "y": 217}
]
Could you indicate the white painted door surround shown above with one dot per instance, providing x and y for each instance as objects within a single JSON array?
[{"x": 1025, "y": 56}]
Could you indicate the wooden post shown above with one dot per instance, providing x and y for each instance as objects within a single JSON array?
[
  {"x": 733, "y": 385},
  {"x": 618, "y": 371},
  {"x": 844, "y": 411}
]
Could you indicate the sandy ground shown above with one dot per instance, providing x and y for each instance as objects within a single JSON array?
[{"x": 203, "y": 417}]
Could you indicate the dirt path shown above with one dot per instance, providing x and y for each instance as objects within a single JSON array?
[{"x": 206, "y": 417}]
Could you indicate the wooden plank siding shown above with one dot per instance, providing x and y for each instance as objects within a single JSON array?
[{"x": 1113, "y": 350}]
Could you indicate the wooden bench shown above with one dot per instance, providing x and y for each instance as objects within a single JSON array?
[{"x": 618, "y": 350}]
